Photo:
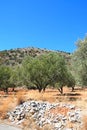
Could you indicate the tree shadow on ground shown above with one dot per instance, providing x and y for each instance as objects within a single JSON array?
[
  {"x": 68, "y": 94},
  {"x": 51, "y": 91},
  {"x": 72, "y": 94}
]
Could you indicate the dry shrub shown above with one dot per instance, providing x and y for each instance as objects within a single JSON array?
[
  {"x": 20, "y": 98},
  {"x": 7, "y": 104},
  {"x": 15, "y": 98}
]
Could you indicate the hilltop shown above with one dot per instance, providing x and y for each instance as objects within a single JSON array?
[{"x": 15, "y": 56}]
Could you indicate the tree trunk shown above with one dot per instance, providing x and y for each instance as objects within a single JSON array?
[
  {"x": 40, "y": 89},
  {"x": 13, "y": 89},
  {"x": 6, "y": 90},
  {"x": 60, "y": 90},
  {"x": 44, "y": 89},
  {"x": 72, "y": 88}
]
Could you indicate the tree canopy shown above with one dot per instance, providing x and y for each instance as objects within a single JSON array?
[
  {"x": 44, "y": 70},
  {"x": 80, "y": 62},
  {"x": 5, "y": 73},
  {"x": 49, "y": 69}
]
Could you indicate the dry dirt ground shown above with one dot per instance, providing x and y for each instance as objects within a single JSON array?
[{"x": 78, "y": 97}]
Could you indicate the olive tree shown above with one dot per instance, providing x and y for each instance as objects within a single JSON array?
[
  {"x": 44, "y": 70},
  {"x": 79, "y": 61},
  {"x": 5, "y": 74},
  {"x": 15, "y": 78},
  {"x": 70, "y": 82},
  {"x": 36, "y": 72}
]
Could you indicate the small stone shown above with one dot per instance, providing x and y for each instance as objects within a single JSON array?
[
  {"x": 18, "y": 117},
  {"x": 58, "y": 125},
  {"x": 19, "y": 122},
  {"x": 72, "y": 107}
]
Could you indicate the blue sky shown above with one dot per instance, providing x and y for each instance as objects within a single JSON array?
[{"x": 50, "y": 24}]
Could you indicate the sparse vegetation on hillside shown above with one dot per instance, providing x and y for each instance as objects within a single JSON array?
[{"x": 15, "y": 56}]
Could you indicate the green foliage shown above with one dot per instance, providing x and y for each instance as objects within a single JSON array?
[
  {"x": 38, "y": 70},
  {"x": 70, "y": 81},
  {"x": 80, "y": 62},
  {"x": 10, "y": 77},
  {"x": 44, "y": 70},
  {"x": 66, "y": 79},
  {"x": 15, "y": 78},
  {"x": 5, "y": 74}
]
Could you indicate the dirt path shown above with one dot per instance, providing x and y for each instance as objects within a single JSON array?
[{"x": 8, "y": 127}]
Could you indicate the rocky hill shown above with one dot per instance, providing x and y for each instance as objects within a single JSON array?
[{"x": 15, "y": 56}]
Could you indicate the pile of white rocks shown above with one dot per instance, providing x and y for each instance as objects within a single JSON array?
[{"x": 41, "y": 112}]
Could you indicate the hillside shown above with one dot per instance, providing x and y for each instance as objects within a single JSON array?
[{"x": 15, "y": 56}]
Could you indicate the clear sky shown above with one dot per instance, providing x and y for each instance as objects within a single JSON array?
[{"x": 50, "y": 24}]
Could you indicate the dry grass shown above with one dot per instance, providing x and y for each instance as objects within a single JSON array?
[
  {"x": 30, "y": 124},
  {"x": 79, "y": 98},
  {"x": 84, "y": 123},
  {"x": 20, "y": 97},
  {"x": 6, "y": 104},
  {"x": 51, "y": 95},
  {"x": 69, "y": 125}
]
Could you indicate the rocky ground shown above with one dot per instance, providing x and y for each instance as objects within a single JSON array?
[{"x": 58, "y": 116}]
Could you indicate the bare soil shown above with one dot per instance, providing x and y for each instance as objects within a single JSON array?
[{"x": 78, "y": 98}]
